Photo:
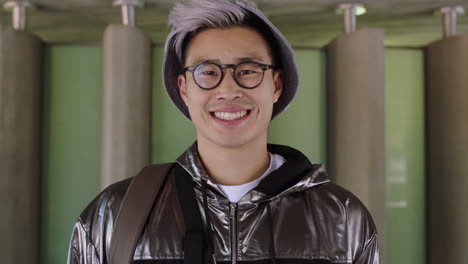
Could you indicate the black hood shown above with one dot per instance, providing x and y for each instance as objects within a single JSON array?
[{"x": 295, "y": 175}]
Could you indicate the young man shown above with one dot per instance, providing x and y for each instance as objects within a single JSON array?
[{"x": 230, "y": 71}]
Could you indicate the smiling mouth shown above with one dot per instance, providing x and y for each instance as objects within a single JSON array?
[{"x": 230, "y": 116}]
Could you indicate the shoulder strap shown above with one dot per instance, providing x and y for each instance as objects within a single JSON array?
[
  {"x": 194, "y": 233},
  {"x": 134, "y": 211}
]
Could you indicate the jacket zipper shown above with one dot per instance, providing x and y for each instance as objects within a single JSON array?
[{"x": 233, "y": 224}]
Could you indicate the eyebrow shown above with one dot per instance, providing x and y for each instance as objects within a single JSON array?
[{"x": 237, "y": 60}]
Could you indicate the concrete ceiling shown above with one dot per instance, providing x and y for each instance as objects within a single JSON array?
[{"x": 306, "y": 23}]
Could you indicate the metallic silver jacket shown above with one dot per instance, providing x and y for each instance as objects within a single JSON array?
[{"x": 310, "y": 220}]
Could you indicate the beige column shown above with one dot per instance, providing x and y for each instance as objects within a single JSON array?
[
  {"x": 355, "y": 119},
  {"x": 447, "y": 150},
  {"x": 126, "y": 103},
  {"x": 20, "y": 114}
]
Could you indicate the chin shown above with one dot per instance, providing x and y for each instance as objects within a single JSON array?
[
  {"x": 230, "y": 142},
  {"x": 225, "y": 141}
]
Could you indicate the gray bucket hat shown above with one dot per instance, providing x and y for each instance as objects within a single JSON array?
[{"x": 172, "y": 66}]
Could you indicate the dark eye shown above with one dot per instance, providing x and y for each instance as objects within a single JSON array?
[
  {"x": 207, "y": 70},
  {"x": 211, "y": 73},
  {"x": 244, "y": 72}
]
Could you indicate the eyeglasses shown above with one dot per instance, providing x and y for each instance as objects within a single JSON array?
[{"x": 247, "y": 74}]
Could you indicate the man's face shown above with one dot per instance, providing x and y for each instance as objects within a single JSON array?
[{"x": 218, "y": 114}]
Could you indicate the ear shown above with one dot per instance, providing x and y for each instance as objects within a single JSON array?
[
  {"x": 278, "y": 81},
  {"x": 182, "y": 87}
]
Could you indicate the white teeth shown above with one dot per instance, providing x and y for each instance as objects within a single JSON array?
[{"x": 230, "y": 116}]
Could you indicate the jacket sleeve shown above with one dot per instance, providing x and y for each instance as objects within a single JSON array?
[
  {"x": 92, "y": 233},
  {"x": 82, "y": 250},
  {"x": 362, "y": 231},
  {"x": 370, "y": 254}
]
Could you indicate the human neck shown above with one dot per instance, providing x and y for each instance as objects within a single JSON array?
[{"x": 234, "y": 166}]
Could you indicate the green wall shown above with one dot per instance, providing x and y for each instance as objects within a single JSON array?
[
  {"x": 405, "y": 165},
  {"x": 168, "y": 122},
  {"x": 302, "y": 125},
  {"x": 71, "y": 139}
]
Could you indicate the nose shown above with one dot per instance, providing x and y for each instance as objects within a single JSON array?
[{"x": 228, "y": 89}]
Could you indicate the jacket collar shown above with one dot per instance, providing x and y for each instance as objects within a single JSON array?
[
  {"x": 295, "y": 175},
  {"x": 191, "y": 162}
]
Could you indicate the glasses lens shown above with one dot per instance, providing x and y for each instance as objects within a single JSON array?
[
  {"x": 207, "y": 75},
  {"x": 249, "y": 74}
]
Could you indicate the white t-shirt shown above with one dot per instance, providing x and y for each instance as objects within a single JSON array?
[{"x": 235, "y": 192}]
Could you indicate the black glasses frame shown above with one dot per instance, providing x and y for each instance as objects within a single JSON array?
[{"x": 222, "y": 67}]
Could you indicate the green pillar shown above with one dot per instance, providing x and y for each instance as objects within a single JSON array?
[{"x": 20, "y": 99}]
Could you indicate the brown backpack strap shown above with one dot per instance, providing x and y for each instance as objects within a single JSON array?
[{"x": 134, "y": 211}]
